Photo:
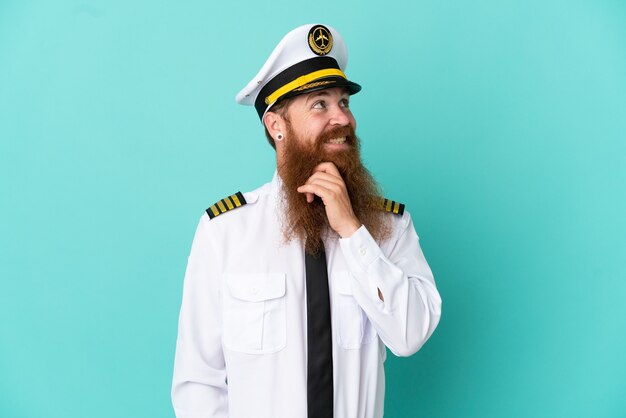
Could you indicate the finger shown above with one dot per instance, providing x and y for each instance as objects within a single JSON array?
[
  {"x": 332, "y": 186},
  {"x": 326, "y": 177},
  {"x": 315, "y": 189},
  {"x": 327, "y": 167}
]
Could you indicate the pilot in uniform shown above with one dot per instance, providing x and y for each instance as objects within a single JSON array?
[{"x": 244, "y": 343}]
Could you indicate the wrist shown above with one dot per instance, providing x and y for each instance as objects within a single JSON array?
[{"x": 349, "y": 229}]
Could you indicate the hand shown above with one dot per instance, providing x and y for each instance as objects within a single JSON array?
[{"x": 327, "y": 184}]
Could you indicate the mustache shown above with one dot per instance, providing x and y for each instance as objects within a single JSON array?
[{"x": 338, "y": 132}]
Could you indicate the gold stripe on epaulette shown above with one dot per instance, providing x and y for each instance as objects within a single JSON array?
[
  {"x": 214, "y": 211},
  {"x": 224, "y": 205},
  {"x": 392, "y": 206}
]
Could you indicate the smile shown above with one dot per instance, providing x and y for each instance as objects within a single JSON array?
[{"x": 341, "y": 140}]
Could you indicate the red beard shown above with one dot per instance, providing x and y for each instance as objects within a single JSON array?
[{"x": 308, "y": 221}]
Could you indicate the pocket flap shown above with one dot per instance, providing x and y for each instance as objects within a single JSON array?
[{"x": 256, "y": 287}]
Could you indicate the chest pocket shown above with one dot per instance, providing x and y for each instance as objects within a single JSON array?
[
  {"x": 355, "y": 329},
  {"x": 254, "y": 316}
]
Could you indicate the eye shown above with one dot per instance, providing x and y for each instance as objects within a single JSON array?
[
  {"x": 320, "y": 104},
  {"x": 344, "y": 103}
]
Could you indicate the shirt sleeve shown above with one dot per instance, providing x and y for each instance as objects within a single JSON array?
[
  {"x": 411, "y": 308},
  {"x": 199, "y": 388}
]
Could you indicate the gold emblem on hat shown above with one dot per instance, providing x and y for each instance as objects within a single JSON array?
[{"x": 320, "y": 40}]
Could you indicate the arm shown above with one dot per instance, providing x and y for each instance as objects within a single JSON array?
[
  {"x": 199, "y": 387},
  {"x": 396, "y": 291}
]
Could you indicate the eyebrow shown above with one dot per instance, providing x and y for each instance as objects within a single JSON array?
[{"x": 317, "y": 94}]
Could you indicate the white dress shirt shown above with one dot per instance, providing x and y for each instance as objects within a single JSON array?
[{"x": 241, "y": 350}]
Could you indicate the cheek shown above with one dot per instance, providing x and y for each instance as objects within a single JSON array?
[
  {"x": 314, "y": 130},
  {"x": 352, "y": 121}
]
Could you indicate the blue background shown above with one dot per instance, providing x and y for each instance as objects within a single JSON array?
[{"x": 501, "y": 125}]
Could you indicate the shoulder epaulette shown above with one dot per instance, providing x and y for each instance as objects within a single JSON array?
[
  {"x": 392, "y": 206},
  {"x": 224, "y": 205}
]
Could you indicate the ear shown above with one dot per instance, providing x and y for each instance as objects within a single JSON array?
[{"x": 275, "y": 125}]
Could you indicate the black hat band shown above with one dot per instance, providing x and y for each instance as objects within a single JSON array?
[{"x": 295, "y": 77}]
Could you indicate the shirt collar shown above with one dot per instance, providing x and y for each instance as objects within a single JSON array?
[{"x": 276, "y": 184}]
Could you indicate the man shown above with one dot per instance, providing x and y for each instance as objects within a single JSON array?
[{"x": 293, "y": 291}]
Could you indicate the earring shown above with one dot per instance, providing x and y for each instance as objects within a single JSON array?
[{"x": 279, "y": 137}]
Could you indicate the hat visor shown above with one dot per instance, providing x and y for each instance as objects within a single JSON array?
[{"x": 322, "y": 84}]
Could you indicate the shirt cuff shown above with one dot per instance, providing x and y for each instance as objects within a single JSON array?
[{"x": 360, "y": 249}]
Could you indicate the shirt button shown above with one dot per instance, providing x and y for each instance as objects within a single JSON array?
[
  {"x": 254, "y": 290},
  {"x": 362, "y": 250}
]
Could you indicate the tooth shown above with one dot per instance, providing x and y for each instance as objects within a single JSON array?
[{"x": 340, "y": 140}]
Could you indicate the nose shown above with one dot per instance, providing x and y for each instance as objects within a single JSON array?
[{"x": 340, "y": 116}]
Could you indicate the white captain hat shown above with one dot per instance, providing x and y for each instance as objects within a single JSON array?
[{"x": 309, "y": 58}]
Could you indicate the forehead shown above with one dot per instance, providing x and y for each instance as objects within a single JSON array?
[{"x": 331, "y": 93}]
